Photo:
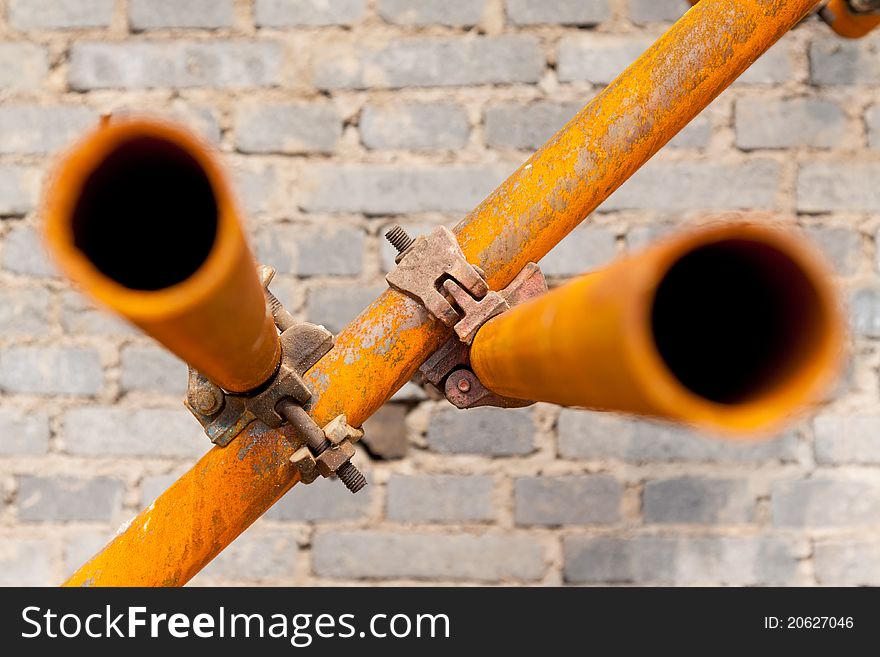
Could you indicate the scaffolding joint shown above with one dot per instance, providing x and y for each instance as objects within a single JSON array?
[{"x": 449, "y": 369}]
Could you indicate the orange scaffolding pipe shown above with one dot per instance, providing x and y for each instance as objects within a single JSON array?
[{"x": 537, "y": 206}]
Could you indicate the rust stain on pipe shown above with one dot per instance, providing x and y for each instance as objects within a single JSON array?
[
  {"x": 730, "y": 328},
  {"x": 142, "y": 217},
  {"x": 198, "y": 516},
  {"x": 521, "y": 221}
]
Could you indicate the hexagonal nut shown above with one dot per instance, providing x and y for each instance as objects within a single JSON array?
[
  {"x": 304, "y": 462},
  {"x": 334, "y": 458},
  {"x": 338, "y": 429}
]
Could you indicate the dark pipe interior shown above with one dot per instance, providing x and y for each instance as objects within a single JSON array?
[
  {"x": 734, "y": 318},
  {"x": 147, "y": 216}
]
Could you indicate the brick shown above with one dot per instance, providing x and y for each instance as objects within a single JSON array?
[
  {"x": 788, "y": 123},
  {"x": 837, "y": 62},
  {"x": 694, "y": 135},
  {"x": 32, "y": 129},
  {"x": 322, "y": 500},
  {"x": 24, "y": 253},
  {"x": 698, "y": 500},
  {"x": 23, "y": 432},
  {"x": 832, "y": 186},
  {"x": 562, "y": 12},
  {"x": 201, "y": 119},
  {"x": 872, "y": 121},
  {"x": 454, "y": 13},
  {"x": 227, "y": 64},
  {"x": 25, "y": 562},
  {"x": 152, "y": 369},
  {"x": 682, "y": 186},
  {"x": 295, "y": 13},
  {"x": 384, "y": 189},
  {"x": 81, "y": 547},
  {"x": 847, "y": 563},
  {"x": 23, "y": 311},
  {"x": 656, "y": 11},
  {"x": 569, "y": 500},
  {"x": 386, "y": 555},
  {"x": 62, "y": 499},
  {"x": 597, "y": 58},
  {"x": 312, "y": 128},
  {"x": 260, "y": 554},
  {"x": 490, "y": 431},
  {"x": 587, "y": 247},
  {"x": 80, "y": 317},
  {"x": 439, "y": 498},
  {"x": 681, "y": 560},
  {"x": 434, "y": 62},
  {"x": 865, "y": 313},
  {"x": 51, "y": 370},
  {"x": 153, "y": 486},
  {"x": 60, "y": 14},
  {"x": 841, "y": 246},
  {"x": 824, "y": 501},
  {"x": 586, "y": 435},
  {"x": 256, "y": 187},
  {"x": 640, "y": 237},
  {"x": 22, "y": 65},
  {"x": 113, "y": 431},
  {"x": 773, "y": 67},
  {"x": 305, "y": 252},
  {"x": 158, "y": 14},
  {"x": 414, "y": 126},
  {"x": 385, "y": 432},
  {"x": 336, "y": 252},
  {"x": 18, "y": 190},
  {"x": 844, "y": 439},
  {"x": 526, "y": 126},
  {"x": 335, "y": 307}
]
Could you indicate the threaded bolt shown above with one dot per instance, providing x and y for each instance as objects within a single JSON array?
[
  {"x": 399, "y": 238},
  {"x": 347, "y": 473},
  {"x": 350, "y": 476}
]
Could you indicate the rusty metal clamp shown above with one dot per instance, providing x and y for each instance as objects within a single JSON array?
[
  {"x": 433, "y": 270},
  {"x": 280, "y": 400}
]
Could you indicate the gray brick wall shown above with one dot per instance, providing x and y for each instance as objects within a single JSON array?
[{"x": 339, "y": 118}]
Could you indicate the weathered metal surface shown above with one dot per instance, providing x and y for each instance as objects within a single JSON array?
[
  {"x": 594, "y": 341},
  {"x": 200, "y": 514},
  {"x": 520, "y": 222},
  {"x": 429, "y": 261},
  {"x": 448, "y": 368}
]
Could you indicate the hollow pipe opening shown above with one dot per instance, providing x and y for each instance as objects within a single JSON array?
[
  {"x": 738, "y": 319},
  {"x": 147, "y": 215}
]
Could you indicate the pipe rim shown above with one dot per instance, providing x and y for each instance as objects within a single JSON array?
[{"x": 64, "y": 188}]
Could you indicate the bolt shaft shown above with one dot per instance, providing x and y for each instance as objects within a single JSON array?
[
  {"x": 296, "y": 415},
  {"x": 399, "y": 238}
]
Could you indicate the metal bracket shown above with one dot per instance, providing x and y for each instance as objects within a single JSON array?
[
  {"x": 342, "y": 437},
  {"x": 435, "y": 261},
  {"x": 449, "y": 368},
  {"x": 224, "y": 415},
  {"x": 280, "y": 400}
]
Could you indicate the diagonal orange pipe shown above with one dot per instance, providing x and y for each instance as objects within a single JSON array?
[{"x": 708, "y": 48}]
